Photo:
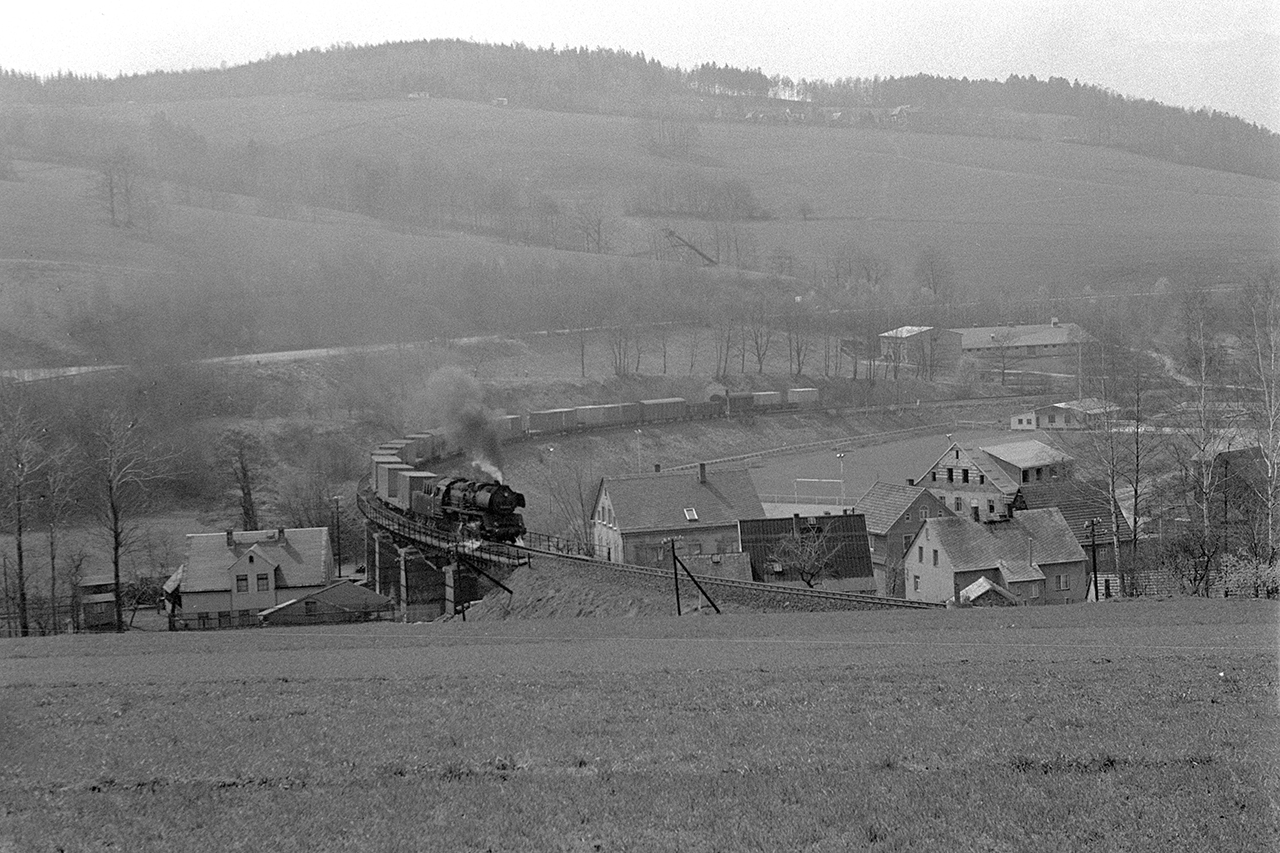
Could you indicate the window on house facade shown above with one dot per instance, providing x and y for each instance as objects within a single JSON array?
[
  {"x": 933, "y": 475},
  {"x": 1039, "y": 472},
  {"x": 264, "y": 583},
  {"x": 1035, "y": 589},
  {"x": 951, "y": 475},
  {"x": 959, "y": 505},
  {"x": 1026, "y": 476},
  {"x": 242, "y": 583},
  {"x": 964, "y": 475},
  {"x": 935, "y": 556},
  {"x": 915, "y": 583},
  {"x": 1063, "y": 581},
  {"x": 982, "y": 479},
  {"x": 1053, "y": 419},
  {"x": 920, "y": 554},
  {"x": 310, "y": 607},
  {"x": 906, "y": 543}
]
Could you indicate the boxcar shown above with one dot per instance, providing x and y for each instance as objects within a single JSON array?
[
  {"x": 552, "y": 420},
  {"x": 666, "y": 409}
]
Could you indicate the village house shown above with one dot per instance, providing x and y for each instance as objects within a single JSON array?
[
  {"x": 229, "y": 578},
  {"x": 1088, "y": 509},
  {"x": 989, "y": 477},
  {"x": 1032, "y": 554},
  {"x": 634, "y": 518},
  {"x": 1073, "y": 414},
  {"x": 894, "y": 512}
]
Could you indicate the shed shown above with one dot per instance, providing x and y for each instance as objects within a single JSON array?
[{"x": 341, "y": 601}]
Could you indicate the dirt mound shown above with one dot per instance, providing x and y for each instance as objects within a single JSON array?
[{"x": 556, "y": 590}]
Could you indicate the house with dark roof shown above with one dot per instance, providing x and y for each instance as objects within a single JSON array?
[
  {"x": 1032, "y": 554},
  {"x": 635, "y": 516},
  {"x": 1089, "y": 510},
  {"x": 894, "y": 512},
  {"x": 229, "y": 578}
]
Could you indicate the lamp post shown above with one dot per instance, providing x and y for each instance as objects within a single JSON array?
[
  {"x": 840, "y": 456},
  {"x": 337, "y": 534}
]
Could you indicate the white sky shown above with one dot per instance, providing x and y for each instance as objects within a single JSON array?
[{"x": 1225, "y": 55}]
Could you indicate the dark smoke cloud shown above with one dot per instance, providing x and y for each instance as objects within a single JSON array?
[{"x": 456, "y": 401}]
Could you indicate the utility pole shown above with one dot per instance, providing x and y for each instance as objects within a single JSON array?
[
  {"x": 1093, "y": 548},
  {"x": 675, "y": 572},
  {"x": 337, "y": 535}
]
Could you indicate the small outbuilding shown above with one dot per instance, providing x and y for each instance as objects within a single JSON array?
[
  {"x": 98, "y": 603},
  {"x": 341, "y": 601}
]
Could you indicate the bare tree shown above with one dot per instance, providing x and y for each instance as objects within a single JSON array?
[
  {"x": 58, "y": 500},
  {"x": 807, "y": 552},
  {"x": 20, "y": 429},
  {"x": 593, "y": 225},
  {"x": 243, "y": 456},
  {"x": 934, "y": 273},
  {"x": 125, "y": 465},
  {"x": 1262, "y": 368}
]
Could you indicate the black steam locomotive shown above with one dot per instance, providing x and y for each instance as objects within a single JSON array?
[{"x": 470, "y": 509}]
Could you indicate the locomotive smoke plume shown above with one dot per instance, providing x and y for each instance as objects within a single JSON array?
[{"x": 457, "y": 401}]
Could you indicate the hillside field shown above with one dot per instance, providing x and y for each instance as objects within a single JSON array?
[
  {"x": 1135, "y": 726},
  {"x": 1027, "y": 218}
]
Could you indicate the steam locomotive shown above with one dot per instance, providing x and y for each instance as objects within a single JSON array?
[
  {"x": 469, "y": 509},
  {"x": 454, "y": 506}
]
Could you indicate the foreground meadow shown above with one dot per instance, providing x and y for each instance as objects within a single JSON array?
[{"x": 1126, "y": 726}]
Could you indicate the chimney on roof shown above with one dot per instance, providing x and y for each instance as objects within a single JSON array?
[
  {"x": 911, "y": 481},
  {"x": 279, "y": 534},
  {"x": 657, "y": 467},
  {"x": 231, "y": 538},
  {"x": 702, "y": 473},
  {"x": 1053, "y": 321}
]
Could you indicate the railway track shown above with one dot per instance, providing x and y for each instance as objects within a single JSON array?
[{"x": 414, "y": 532}]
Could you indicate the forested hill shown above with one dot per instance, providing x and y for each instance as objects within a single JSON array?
[{"x": 622, "y": 83}]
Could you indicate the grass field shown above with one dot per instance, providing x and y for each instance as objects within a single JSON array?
[{"x": 1130, "y": 726}]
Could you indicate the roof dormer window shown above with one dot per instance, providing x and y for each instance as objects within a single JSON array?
[{"x": 690, "y": 514}]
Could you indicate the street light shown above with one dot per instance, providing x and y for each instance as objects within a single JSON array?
[
  {"x": 840, "y": 456},
  {"x": 337, "y": 534}
]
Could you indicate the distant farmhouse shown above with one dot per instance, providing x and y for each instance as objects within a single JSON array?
[
  {"x": 987, "y": 479},
  {"x": 1053, "y": 339},
  {"x": 927, "y": 348},
  {"x": 1073, "y": 414},
  {"x": 635, "y": 517},
  {"x": 1031, "y": 554},
  {"x": 229, "y": 578}
]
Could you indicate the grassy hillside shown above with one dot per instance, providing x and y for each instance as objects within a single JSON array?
[{"x": 1009, "y": 217}]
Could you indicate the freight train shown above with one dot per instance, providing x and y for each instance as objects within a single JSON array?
[
  {"x": 399, "y": 477},
  {"x": 455, "y": 506}
]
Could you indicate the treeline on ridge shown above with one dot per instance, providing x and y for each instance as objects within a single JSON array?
[{"x": 625, "y": 83}]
